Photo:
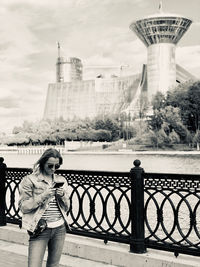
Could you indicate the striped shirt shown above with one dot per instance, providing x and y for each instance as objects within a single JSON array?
[{"x": 52, "y": 213}]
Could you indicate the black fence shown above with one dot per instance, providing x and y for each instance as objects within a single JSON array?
[{"x": 145, "y": 210}]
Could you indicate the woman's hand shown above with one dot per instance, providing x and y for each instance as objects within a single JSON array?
[
  {"x": 49, "y": 192},
  {"x": 60, "y": 192}
]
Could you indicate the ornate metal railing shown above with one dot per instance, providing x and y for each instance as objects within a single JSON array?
[
  {"x": 141, "y": 209},
  {"x": 12, "y": 181},
  {"x": 100, "y": 204},
  {"x": 172, "y": 208}
]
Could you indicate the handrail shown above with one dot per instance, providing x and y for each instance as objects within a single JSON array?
[{"x": 145, "y": 210}]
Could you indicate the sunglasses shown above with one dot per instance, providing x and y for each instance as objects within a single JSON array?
[{"x": 56, "y": 166}]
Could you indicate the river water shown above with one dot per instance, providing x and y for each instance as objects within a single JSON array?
[{"x": 163, "y": 162}]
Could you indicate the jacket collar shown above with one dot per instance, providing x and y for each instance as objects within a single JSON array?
[{"x": 41, "y": 178}]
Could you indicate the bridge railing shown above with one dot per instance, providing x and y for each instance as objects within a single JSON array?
[{"x": 145, "y": 210}]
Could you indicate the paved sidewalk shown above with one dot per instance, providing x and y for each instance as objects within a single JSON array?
[
  {"x": 13, "y": 255},
  {"x": 13, "y": 260},
  {"x": 10, "y": 259}
]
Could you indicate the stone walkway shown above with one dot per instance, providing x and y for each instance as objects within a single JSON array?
[
  {"x": 12, "y": 260},
  {"x": 13, "y": 255}
]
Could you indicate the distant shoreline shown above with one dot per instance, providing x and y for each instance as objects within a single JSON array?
[
  {"x": 119, "y": 152},
  {"x": 135, "y": 152}
]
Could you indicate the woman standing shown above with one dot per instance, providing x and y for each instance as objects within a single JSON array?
[{"x": 44, "y": 201}]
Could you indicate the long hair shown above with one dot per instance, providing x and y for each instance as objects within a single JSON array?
[{"x": 49, "y": 153}]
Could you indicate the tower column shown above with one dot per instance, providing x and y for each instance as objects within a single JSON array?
[
  {"x": 161, "y": 68},
  {"x": 60, "y": 70},
  {"x": 60, "y": 67}
]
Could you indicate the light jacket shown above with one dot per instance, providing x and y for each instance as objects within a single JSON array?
[{"x": 32, "y": 202}]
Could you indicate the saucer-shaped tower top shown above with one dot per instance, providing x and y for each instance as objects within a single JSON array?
[
  {"x": 160, "y": 33},
  {"x": 161, "y": 28}
]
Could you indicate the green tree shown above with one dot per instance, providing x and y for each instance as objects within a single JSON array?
[
  {"x": 174, "y": 137},
  {"x": 194, "y": 107},
  {"x": 158, "y": 101},
  {"x": 108, "y": 124},
  {"x": 158, "y": 138},
  {"x": 156, "y": 120},
  {"x": 99, "y": 124},
  {"x": 17, "y": 129},
  {"x": 18, "y": 139},
  {"x": 113, "y": 127},
  {"x": 167, "y": 119},
  {"x": 103, "y": 135},
  {"x": 187, "y": 98}
]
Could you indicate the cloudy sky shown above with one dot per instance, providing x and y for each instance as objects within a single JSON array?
[{"x": 95, "y": 31}]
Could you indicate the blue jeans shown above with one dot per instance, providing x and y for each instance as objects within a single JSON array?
[{"x": 53, "y": 238}]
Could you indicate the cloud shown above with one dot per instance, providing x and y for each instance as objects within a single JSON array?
[
  {"x": 196, "y": 24},
  {"x": 11, "y": 112},
  {"x": 36, "y": 3},
  {"x": 95, "y": 31},
  {"x": 189, "y": 58},
  {"x": 8, "y": 102}
]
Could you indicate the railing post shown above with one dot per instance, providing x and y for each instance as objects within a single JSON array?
[
  {"x": 2, "y": 196},
  {"x": 137, "y": 244}
]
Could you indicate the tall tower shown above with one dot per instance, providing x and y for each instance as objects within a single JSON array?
[
  {"x": 60, "y": 67},
  {"x": 160, "y": 33}
]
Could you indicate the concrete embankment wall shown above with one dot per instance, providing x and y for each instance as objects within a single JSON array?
[{"x": 112, "y": 253}]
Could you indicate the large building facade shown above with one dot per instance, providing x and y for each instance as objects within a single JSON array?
[
  {"x": 72, "y": 97},
  {"x": 90, "y": 98}
]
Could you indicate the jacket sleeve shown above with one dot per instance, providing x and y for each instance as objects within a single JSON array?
[
  {"x": 28, "y": 201},
  {"x": 65, "y": 198}
]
